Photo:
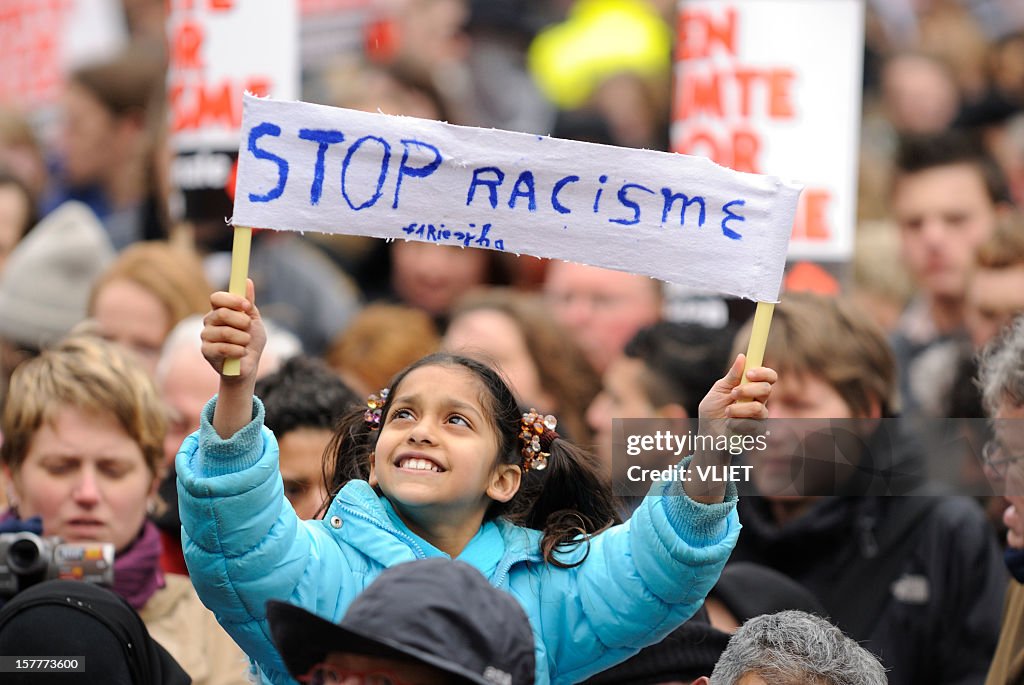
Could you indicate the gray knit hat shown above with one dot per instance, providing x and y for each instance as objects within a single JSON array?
[{"x": 44, "y": 287}]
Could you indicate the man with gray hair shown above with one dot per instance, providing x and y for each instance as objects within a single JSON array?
[
  {"x": 794, "y": 648},
  {"x": 1001, "y": 379}
]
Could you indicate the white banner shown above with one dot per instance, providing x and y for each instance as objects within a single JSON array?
[
  {"x": 305, "y": 167},
  {"x": 773, "y": 86}
]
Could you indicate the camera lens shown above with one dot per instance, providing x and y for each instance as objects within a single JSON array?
[{"x": 23, "y": 555}]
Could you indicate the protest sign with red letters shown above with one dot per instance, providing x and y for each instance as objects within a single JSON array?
[{"x": 773, "y": 86}]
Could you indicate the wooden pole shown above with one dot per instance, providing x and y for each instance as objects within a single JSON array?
[
  {"x": 758, "y": 337},
  {"x": 236, "y": 285}
]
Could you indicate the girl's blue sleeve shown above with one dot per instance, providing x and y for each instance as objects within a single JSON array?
[
  {"x": 242, "y": 540},
  {"x": 638, "y": 581}
]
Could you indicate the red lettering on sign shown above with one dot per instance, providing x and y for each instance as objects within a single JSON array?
[
  {"x": 189, "y": 5},
  {"x": 700, "y": 94},
  {"x": 701, "y": 33},
  {"x": 744, "y": 92},
  {"x": 738, "y": 149},
  {"x": 186, "y": 46},
  {"x": 780, "y": 101},
  {"x": 203, "y": 105},
  {"x": 746, "y": 148},
  {"x": 811, "y": 221}
]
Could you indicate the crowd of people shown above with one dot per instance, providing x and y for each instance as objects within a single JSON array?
[{"x": 418, "y": 475}]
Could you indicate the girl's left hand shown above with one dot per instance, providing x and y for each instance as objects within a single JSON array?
[{"x": 729, "y": 399}]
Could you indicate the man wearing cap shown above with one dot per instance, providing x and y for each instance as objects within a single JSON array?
[{"x": 427, "y": 622}]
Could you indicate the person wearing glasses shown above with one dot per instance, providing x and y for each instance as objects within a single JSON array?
[{"x": 1001, "y": 379}]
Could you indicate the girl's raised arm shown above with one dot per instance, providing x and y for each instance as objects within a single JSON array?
[
  {"x": 727, "y": 400},
  {"x": 234, "y": 330}
]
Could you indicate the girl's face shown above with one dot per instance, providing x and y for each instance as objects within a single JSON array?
[
  {"x": 87, "y": 479},
  {"x": 438, "y": 446}
]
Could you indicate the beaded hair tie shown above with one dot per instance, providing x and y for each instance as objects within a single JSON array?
[
  {"x": 374, "y": 406},
  {"x": 537, "y": 434}
]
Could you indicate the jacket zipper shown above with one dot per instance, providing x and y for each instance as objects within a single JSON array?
[
  {"x": 505, "y": 569},
  {"x": 391, "y": 529},
  {"x": 507, "y": 566}
]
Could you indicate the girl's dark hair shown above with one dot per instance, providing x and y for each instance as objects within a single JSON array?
[{"x": 569, "y": 500}]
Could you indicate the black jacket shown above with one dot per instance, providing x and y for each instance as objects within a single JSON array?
[{"x": 919, "y": 580}]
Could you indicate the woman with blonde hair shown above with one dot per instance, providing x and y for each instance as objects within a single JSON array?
[
  {"x": 83, "y": 435},
  {"x": 149, "y": 288}
]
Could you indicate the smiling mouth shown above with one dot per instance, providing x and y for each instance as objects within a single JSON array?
[{"x": 418, "y": 464}]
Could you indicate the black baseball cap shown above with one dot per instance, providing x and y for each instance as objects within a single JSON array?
[{"x": 437, "y": 612}]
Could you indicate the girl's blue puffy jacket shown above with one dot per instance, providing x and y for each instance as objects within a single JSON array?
[{"x": 244, "y": 545}]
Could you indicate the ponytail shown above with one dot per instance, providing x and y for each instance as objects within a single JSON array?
[
  {"x": 569, "y": 500},
  {"x": 347, "y": 455}
]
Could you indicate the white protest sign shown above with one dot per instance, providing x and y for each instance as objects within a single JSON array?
[
  {"x": 305, "y": 167},
  {"x": 218, "y": 50},
  {"x": 773, "y": 86}
]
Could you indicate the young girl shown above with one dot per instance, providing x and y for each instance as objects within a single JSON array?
[{"x": 449, "y": 476}]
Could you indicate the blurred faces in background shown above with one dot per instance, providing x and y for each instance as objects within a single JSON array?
[{"x": 601, "y": 309}]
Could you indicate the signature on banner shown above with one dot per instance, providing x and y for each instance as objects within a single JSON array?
[{"x": 465, "y": 238}]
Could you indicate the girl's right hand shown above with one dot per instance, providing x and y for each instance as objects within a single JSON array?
[
  {"x": 234, "y": 330},
  {"x": 731, "y": 399}
]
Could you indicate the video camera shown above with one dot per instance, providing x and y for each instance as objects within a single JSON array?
[{"x": 27, "y": 559}]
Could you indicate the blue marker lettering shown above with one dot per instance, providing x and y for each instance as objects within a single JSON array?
[
  {"x": 732, "y": 216},
  {"x": 524, "y": 188},
  {"x": 416, "y": 172},
  {"x": 491, "y": 184},
  {"x": 562, "y": 182},
  {"x": 257, "y": 132},
  {"x": 670, "y": 200},
  {"x": 597, "y": 197},
  {"x": 626, "y": 202},
  {"x": 325, "y": 138},
  {"x": 380, "y": 179},
  {"x": 483, "y": 240}
]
